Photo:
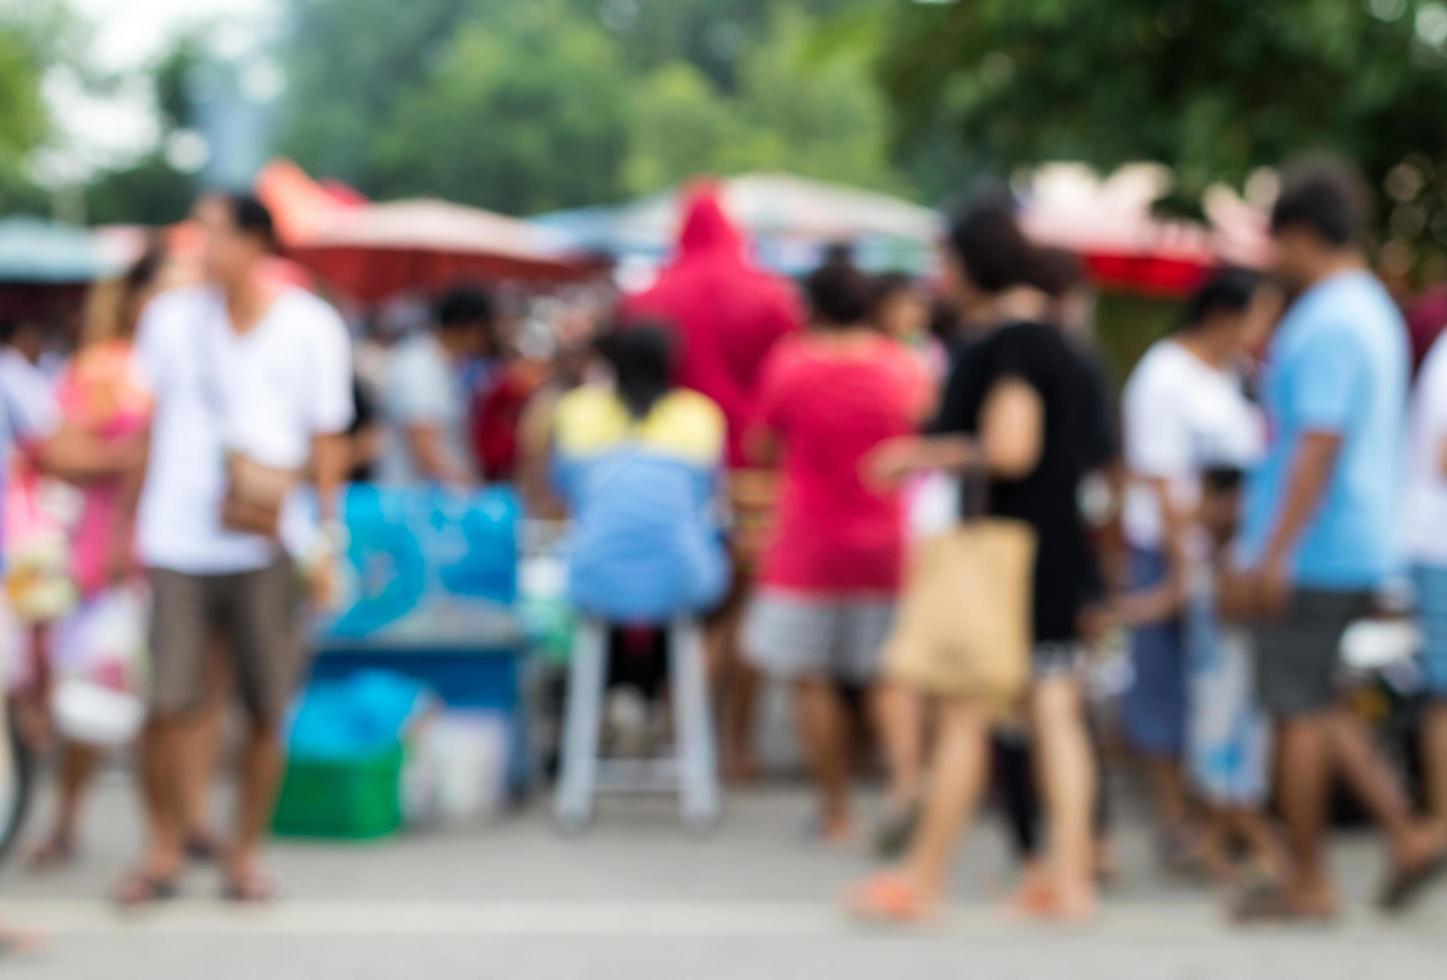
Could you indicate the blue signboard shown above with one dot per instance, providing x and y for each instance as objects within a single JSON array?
[{"x": 428, "y": 567}]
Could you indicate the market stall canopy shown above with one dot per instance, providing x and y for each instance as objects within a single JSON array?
[
  {"x": 375, "y": 251},
  {"x": 299, "y": 205},
  {"x": 1109, "y": 223},
  {"x": 34, "y": 251},
  {"x": 790, "y": 219}
]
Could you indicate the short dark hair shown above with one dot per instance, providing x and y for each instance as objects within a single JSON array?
[
  {"x": 464, "y": 306},
  {"x": 839, "y": 294},
  {"x": 885, "y": 286},
  {"x": 642, "y": 357},
  {"x": 145, "y": 270},
  {"x": 1327, "y": 200},
  {"x": 1057, "y": 271},
  {"x": 986, "y": 238},
  {"x": 1229, "y": 290},
  {"x": 1223, "y": 478},
  {"x": 251, "y": 217}
]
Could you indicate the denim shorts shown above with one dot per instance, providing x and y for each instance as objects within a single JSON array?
[
  {"x": 1431, "y": 582},
  {"x": 1154, "y": 711}
]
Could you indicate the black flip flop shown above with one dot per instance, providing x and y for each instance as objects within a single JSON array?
[
  {"x": 1267, "y": 902},
  {"x": 142, "y": 889},
  {"x": 1405, "y": 887},
  {"x": 248, "y": 889}
]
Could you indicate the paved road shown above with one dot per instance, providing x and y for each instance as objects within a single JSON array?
[{"x": 638, "y": 897}]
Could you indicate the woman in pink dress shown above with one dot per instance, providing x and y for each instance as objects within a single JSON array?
[{"x": 101, "y": 393}]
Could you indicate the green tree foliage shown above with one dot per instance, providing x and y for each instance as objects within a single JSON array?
[
  {"x": 680, "y": 126},
  {"x": 794, "y": 108},
  {"x": 1212, "y": 89},
  {"x": 349, "y": 62},
  {"x": 554, "y": 103},
  {"x": 23, "y": 123},
  {"x": 523, "y": 114},
  {"x": 148, "y": 192},
  {"x": 814, "y": 112},
  {"x": 151, "y": 190},
  {"x": 22, "y": 114}
]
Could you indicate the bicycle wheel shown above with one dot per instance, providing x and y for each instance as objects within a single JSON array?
[{"x": 17, "y": 770}]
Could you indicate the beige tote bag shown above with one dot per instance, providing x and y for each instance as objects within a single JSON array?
[{"x": 963, "y": 628}]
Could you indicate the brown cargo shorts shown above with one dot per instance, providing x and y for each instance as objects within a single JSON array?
[{"x": 260, "y": 617}]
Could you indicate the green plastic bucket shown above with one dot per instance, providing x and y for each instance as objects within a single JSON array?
[{"x": 341, "y": 799}]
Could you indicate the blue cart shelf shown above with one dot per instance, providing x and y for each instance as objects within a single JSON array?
[{"x": 434, "y": 592}]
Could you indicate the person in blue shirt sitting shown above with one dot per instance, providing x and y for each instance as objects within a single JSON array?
[{"x": 639, "y": 464}]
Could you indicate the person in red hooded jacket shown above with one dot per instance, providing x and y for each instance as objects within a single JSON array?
[{"x": 728, "y": 314}]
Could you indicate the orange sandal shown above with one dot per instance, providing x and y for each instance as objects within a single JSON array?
[
  {"x": 890, "y": 897},
  {"x": 1043, "y": 902}
]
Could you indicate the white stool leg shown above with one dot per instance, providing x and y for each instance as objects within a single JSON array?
[
  {"x": 697, "y": 759},
  {"x": 573, "y": 805}
]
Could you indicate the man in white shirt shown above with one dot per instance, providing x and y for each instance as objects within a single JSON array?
[
  {"x": 424, "y": 401},
  {"x": 1184, "y": 410},
  {"x": 1426, "y": 540},
  {"x": 252, "y": 386}
]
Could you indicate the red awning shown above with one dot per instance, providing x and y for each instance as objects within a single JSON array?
[
  {"x": 1109, "y": 223},
  {"x": 377, "y": 250}
]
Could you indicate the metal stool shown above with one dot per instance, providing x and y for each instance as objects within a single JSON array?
[{"x": 693, "y": 773}]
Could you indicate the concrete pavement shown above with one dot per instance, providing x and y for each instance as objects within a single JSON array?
[{"x": 639, "y": 897}]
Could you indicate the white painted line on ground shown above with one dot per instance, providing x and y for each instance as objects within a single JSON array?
[{"x": 644, "y": 919}]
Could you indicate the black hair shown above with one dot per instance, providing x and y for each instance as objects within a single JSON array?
[
  {"x": 944, "y": 321},
  {"x": 838, "y": 254},
  {"x": 888, "y": 285},
  {"x": 642, "y": 358},
  {"x": 464, "y": 306},
  {"x": 986, "y": 238},
  {"x": 1229, "y": 290},
  {"x": 839, "y": 294},
  {"x": 144, "y": 270},
  {"x": 1056, "y": 271},
  {"x": 1222, "y": 479},
  {"x": 12, "y": 327},
  {"x": 251, "y": 217},
  {"x": 1327, "y": 200}
]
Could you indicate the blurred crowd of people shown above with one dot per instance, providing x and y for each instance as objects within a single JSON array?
[{"x": 811, "y": 471}]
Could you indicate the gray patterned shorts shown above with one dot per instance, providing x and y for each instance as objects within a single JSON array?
[{"x": 793, "y": 636}]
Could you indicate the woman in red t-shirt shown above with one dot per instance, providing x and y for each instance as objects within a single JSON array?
[{"x": 832, "y": 568}]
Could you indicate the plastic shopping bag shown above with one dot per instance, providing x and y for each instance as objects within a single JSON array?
[{"x": 100, "y": 660}]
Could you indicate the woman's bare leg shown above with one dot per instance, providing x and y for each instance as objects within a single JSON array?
[
  {"x": 825, "y": 734},
  {"x": 959, "y": 771},
  {"x": 1067, "y": 771},
  {"x": 78, "y": 763},
  {"x": 899, "y": 717}
]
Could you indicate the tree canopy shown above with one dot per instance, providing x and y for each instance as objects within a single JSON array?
[
  {"x": 23, "y": 122},
  {"x": 1213, "y": 90},
  {"x": 557, "y": 103}
]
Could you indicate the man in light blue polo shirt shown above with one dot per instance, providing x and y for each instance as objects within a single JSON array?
[{"x": 1319, "y": 535}]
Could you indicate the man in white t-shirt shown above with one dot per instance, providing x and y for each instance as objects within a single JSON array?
[
  {"x": 1184, "y": 410},
  {"x": 252, "y": 386},
  {"x": 1425, "y": 536},
  {"x": 424, "y": 402}
]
